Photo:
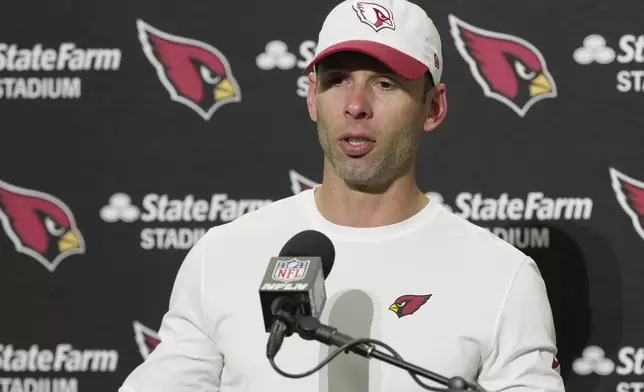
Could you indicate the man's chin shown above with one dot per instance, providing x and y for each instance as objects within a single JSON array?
[
  {"x": 358, "y": 175},
  {"x": 365, "y": 175},
  {"x": 355, "y": 168},
  {"x": 373, "y": 186}
]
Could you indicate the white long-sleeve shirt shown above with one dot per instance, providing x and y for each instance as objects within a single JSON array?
[{"x": 472, "y": 306}]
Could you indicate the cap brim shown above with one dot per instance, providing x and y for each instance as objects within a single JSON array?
[{"x": 399, "y": 62}]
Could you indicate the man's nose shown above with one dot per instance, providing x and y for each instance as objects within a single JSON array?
[{"x": 358, "y": 102}]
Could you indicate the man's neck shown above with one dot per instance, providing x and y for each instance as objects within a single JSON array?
[{"x": 339, "y": 203}]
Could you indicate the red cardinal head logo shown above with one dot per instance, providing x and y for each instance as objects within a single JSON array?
[
  {"x": 630, "y": 195},
  {"x": 300, "y": 183},
  {"x": 406, "y": 305},
  {"x": 146, "y": 338},
  {"x": 374, "y": 15},
  {"x": 508, "y": 68},
  {"x": 40, "y": 225},
  {"x": 194, "y": 73}
]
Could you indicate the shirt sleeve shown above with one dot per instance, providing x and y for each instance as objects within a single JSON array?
[
  {"x": 187, "y": 359},
  {"x": 522, "y": 357}
]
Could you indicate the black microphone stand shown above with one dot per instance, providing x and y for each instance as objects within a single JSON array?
[{"x": 310, "y": 328}]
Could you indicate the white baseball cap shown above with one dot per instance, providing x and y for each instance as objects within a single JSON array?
[{"x": 396, "y": 32}]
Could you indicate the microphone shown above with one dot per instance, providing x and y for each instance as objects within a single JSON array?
[{"x": 293, "y": 285}]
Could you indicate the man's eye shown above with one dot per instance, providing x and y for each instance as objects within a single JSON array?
[
  {"x": 336, "y": 80},
  {"x": 386, "y": 85},
  {"x": 333, "y": 80}
]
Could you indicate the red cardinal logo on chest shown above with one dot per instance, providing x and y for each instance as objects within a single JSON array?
[
  {"x": 147, "y": 339},
  {"x": 630, "y": 195},
  {"x": 406, "y": 305},
  {"x": 39, "y": 225},
  {"x": 508, "y": 68},
  {"x": 195, "y": 73}
]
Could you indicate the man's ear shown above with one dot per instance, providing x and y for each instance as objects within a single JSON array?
[
  {"x": 310, "y": 96},
  {"x": 438, "y": 107}
]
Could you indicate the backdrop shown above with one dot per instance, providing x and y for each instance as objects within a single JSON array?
[{"x": 130, "y": 128}]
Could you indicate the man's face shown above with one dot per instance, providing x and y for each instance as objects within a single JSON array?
[{"x": 369, "y": 120}]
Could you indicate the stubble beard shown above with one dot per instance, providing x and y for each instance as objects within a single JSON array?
[{"x": 394, "y": 161}]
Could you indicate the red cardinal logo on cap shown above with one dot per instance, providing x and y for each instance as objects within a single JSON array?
[
  {"x": 300, "y": 183},
  {"x": 406, "y": 305},
  {"x": 194, "y": 73},
  {"x": 375, "y": 15},
  {"x": 146, "y": 338},
  {"x": 630, "y": 195},
  {"x": 39, "y": 225},
  {"x": 508, "y": 68}
]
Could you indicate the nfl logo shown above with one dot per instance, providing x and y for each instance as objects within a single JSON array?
[{"x": 291, "y": 270}]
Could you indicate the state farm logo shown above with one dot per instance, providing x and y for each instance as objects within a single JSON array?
[
  {"x": 63, "y": 61},
  {"x": 120, "y": 208},
  {"x": 533, "y": 206},
  {"x": 593, "y": 360},
  {"x": 594, "y": 49},
  {"x": 169, "y": 211},
  {"x": 62, "y": 359},
  {"x": 629, "y": 362},
  {"x": 484, "y": 210},
  {"x": 276, "y": 56}
]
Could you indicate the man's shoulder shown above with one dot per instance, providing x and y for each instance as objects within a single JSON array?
[
  {"x": 485, "y": 263},
  {"x": 278, "y": 213},
  {"x": 287, "y": 207},
  {"x": 477, "y": 240}
]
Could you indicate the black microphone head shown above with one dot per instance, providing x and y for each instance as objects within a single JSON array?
[{"x": 311, "y": 243}]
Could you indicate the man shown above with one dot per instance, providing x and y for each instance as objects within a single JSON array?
[{"x": 445, "y": 294}]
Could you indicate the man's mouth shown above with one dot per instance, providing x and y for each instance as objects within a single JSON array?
[
  {"x": 356, "y": 146},
  {"x": 355, "y": 141}
]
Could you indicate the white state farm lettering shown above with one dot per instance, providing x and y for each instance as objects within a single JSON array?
[
  {"x": 631, "y": 361},
  {"x": 630, "y": 80},
  {"x": 307, "y": 52},
  {"x": 285, "y": 286},
  {"x": 632, "y": 51},
  {"x": 523, "y": 237},
  {"x": 63, "y": 358},
  {"x": 630, "y": 387},
  {"x": 34, "y": 88},
  {"x": 38, "y": 385},
  {"x": 170, "y": 238},
  {"x": 535, "y": 206},
  {"x": 163, "y": 209},
  {"x": 66, "y": 57}
]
